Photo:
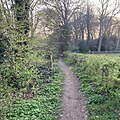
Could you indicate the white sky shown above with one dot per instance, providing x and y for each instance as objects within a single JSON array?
[{"x": 111, "y": 6}]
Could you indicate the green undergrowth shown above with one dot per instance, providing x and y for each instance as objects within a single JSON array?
[
  {"x": 45, "y": 105},
  {"x": 100, "y": 77}
]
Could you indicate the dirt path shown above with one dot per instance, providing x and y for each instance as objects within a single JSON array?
[{"x": 73, "y": 101}]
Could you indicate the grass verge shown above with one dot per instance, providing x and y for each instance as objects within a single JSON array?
[{"x": 100, "y": 77}]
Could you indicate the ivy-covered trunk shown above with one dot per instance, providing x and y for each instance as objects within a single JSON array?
[{"x": 22, "y": 15}]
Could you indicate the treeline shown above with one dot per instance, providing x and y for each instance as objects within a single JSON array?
[
  {"x": 67, "y": 25},
  {"x": 82, "y": 25}
]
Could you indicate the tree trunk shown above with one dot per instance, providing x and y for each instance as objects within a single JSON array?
[
  {"x": 88, "y": 22},
  {"x": 82, "y": 35},
  {"x": 22, "y": 15},
  {"x": 117, "y": 46},
  {"x": 100, "y": 38},
  {"x": 118, "y": 42},
  {"x": 99, "y": 44}
]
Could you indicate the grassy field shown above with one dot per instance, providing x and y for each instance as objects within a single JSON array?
[{"x": 100, "y": 77}]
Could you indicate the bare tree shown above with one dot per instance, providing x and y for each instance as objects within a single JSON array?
[
  {"x": 88, "y": 19},
  {"x": 79, "y": 24},
  {"x": 34, "y": 16},
  {"x": 5, "y": 10},
  {"x": 65, "y": 10},
  {"x": 105, "y": 17}
]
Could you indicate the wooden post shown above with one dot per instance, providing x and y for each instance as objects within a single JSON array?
[
  {"x": 0, "y": 117},
  {"x": 51, "y": 60}
]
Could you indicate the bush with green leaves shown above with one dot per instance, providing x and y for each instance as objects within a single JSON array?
[
  {"x": 100, "y": 77},
  {"x": 44, "y": 106},
  {"x": 23, "y": 71}
]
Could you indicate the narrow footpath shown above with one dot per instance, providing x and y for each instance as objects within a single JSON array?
[{"x": 73, "y": 100}]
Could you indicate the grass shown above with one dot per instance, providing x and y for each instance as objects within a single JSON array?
[{"x": 100, "y": 77}]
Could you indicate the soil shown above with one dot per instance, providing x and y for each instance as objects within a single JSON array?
[{"x": 73, "y": 100}]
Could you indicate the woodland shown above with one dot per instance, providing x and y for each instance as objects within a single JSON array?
[{"x": 35, "y": 34}]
